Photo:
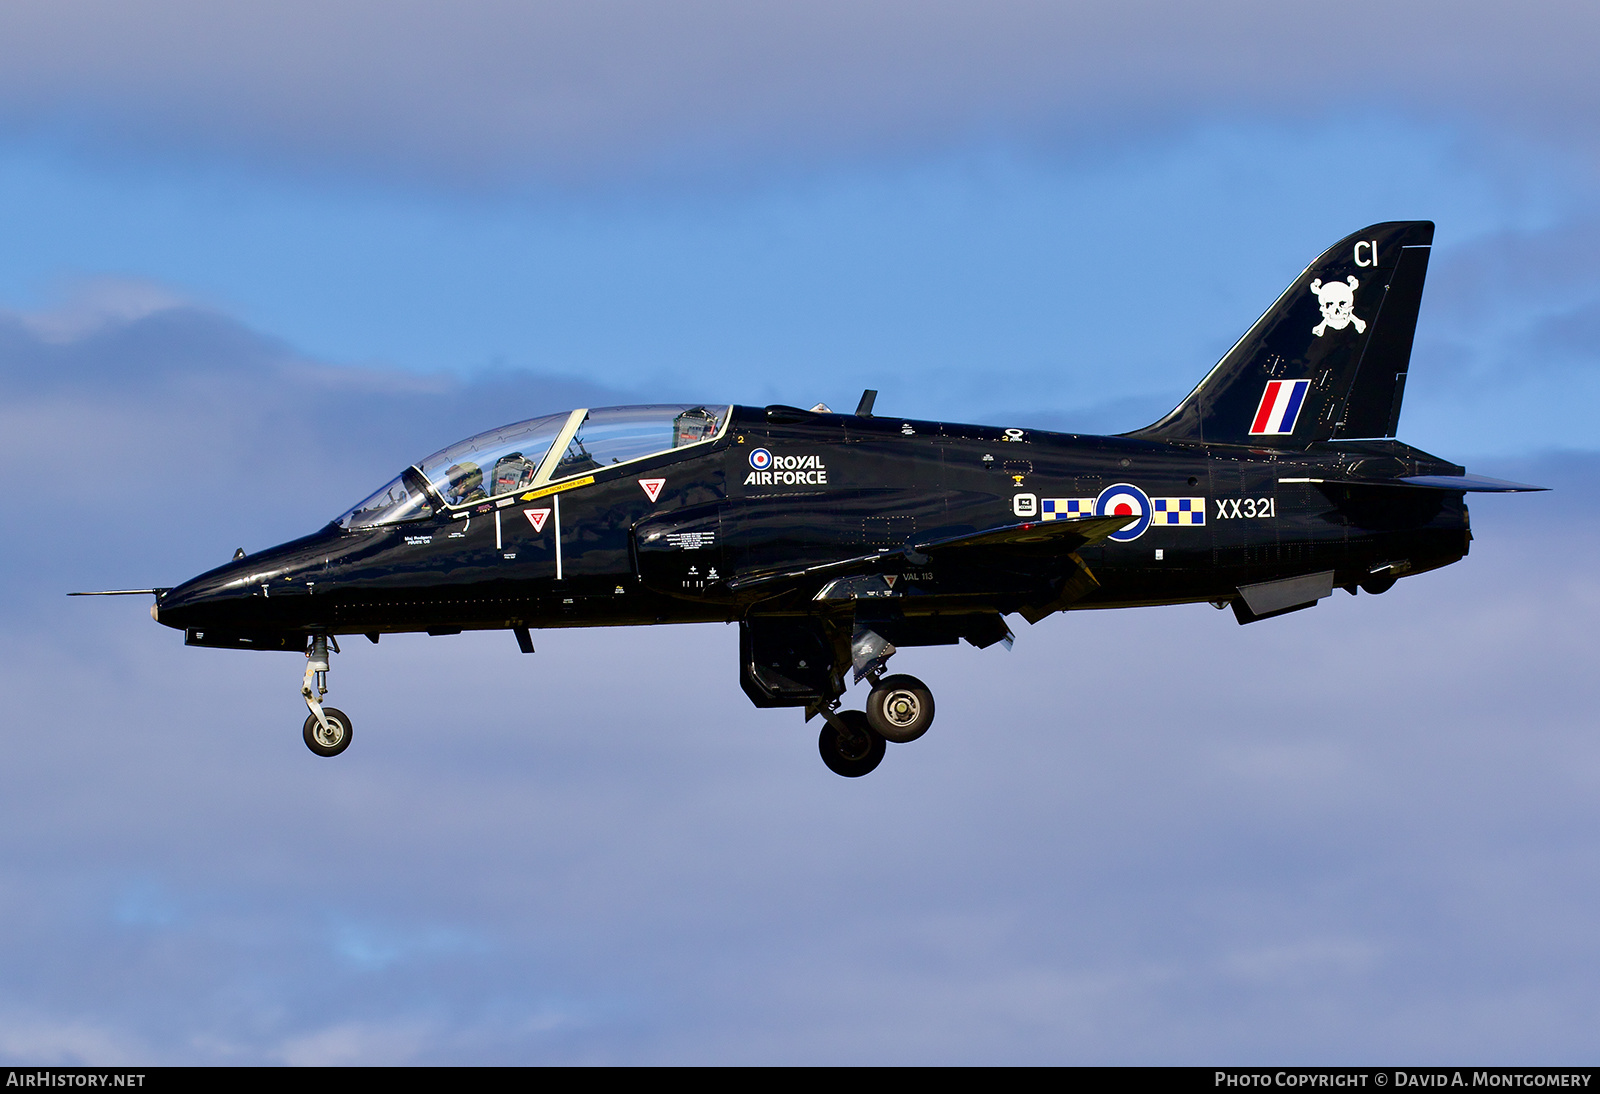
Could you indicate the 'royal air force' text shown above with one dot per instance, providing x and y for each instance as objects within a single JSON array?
[{"x": 791, "y": 471}]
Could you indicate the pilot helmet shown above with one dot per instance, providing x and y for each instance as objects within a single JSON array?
[{"x": 465, "y": 478}]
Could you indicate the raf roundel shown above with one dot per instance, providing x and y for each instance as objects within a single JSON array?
[
  {"x": 760, "y": 459},
  {"x": 1115, "y": 501}
]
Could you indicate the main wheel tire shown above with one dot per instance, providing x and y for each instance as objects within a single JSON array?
[
  {"x": 852, "y": 756},
  {"x": 333, "y": 740},
  {"x": 900, "y": 709}
]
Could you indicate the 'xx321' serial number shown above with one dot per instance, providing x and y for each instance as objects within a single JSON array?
[{"x": 1228, "y": 508}]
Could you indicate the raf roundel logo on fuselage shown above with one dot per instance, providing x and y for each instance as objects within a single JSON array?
[
  {"x": 760, "y": 459},
  {"x": 1124, "y": 499}
]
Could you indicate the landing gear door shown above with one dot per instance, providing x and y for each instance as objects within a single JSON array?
[
  {"x": 681, "y": 553},
  {"x": 787, "y": 662}
]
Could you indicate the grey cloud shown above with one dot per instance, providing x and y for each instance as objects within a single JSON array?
[
  {"x": 1550, "y": 265},
  {"x": 174, "y": 409},
  {"x": 1513, "y": 307},
  {"x": 1572, "y": 336},
  {"x": 499, "y": 90}
]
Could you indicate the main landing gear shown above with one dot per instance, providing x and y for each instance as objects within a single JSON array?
[
  {"x": 327, "y": 730},
  {"x": 900, "y": 708},
  {"x": 786, "y": 661},
  {"x": 852, "y": 742},
  {"x": 848, "y": 745}
]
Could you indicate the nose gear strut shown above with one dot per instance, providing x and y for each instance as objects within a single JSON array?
[{"x": 327, "y": 730}]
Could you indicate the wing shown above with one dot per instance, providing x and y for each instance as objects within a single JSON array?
[{"x": 1032, "y": 538}]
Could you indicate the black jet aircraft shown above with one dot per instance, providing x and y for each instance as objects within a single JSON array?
[{"x": 835, "y": 539}]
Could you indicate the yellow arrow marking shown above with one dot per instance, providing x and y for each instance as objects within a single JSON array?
[{"x": 558, "y": 488}]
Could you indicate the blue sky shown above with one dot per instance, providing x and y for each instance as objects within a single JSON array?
[
  {"x": 253, "y": 260},
  {"x": 1004, "y": 281}
]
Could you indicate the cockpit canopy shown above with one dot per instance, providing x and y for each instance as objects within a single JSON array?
[{"x": 535, "y": 452}]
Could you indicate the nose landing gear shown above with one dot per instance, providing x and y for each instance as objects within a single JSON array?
[
  {"x": 329, "y": 737},
  {"x": 327, "y": 730}
]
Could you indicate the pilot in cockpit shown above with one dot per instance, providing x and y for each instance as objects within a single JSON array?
[{"x": 465, "y": 483}]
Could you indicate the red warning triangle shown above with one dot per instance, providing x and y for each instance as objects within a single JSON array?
[
  {"x": 536, "y": 517},
  {"x": 652, "y": 487}
]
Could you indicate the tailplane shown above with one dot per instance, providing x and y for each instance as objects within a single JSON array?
[{"x": 1328, "y": 360}]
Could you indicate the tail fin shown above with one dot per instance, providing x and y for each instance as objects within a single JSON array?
[{"x": 1328, "y": 359}]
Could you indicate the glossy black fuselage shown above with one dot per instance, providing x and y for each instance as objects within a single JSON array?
[{"x": 605, "y": 553}]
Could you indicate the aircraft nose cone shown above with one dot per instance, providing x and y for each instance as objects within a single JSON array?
[
  {"x": 263, "y": 592},
  {"x": 202, "y": 599}
]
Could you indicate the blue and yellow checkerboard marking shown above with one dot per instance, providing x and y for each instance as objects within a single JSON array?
[
  {"x": 1185, "y": 511},
  {"x": 1065, "y": 508}
]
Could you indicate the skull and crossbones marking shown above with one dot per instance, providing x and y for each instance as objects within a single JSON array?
[{"x": 1336, "y": 299}]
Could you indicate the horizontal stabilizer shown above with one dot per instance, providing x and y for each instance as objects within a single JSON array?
[{"x": 1473, "y": 484}]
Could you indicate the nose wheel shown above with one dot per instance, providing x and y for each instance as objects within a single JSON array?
[{"x": 331, "y": 736}]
